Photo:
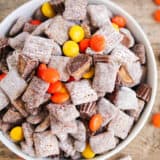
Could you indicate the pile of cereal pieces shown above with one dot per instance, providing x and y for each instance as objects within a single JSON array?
[{"x": 72, "y": 82}]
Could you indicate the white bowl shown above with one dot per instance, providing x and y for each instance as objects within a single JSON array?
[{"x": 28, "y": 9}]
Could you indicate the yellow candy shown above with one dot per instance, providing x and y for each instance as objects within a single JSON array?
[
  {"x": 16, "y": 134},
  {"x": 76, "y": 33},
  {"x": 88, "y": 153},
  {"x": 89, "y": 74},
  {"x": 115, "y": 26},
  {"x": 47, "y": 10},
  {"x": 70, "y": 49}
]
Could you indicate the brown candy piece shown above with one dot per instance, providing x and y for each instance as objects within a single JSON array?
[
  {"x": 88, "y": 109},
  {"x": 144, "y": 92},
  {"x": 79, "y": 65},
  {"x": 124, "y": 76},
  {"x": 139, "y": 50},
  {"x": 26, "y": 66},
  {"x": 100, "y": 58}
]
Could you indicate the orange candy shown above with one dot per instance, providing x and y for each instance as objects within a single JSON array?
[
  {"x": 119, "y": 20},
  {"x": 83, "y": 45},
  {"x": 97, "y": 43},
  {"x": 49, "y": 75},
  {"x": 41, "y": 68},
  {"x": 35, "y": 22},
  {"x": 55, "y": 87},
  {"x": 60, "y": 98},
  {"x": 157, "y": 2},
  {"x": 95, "y": 122},
  {"x": 2, "y": 76},
  {"x": 156, "y": 120},
  {"x": 156, "y": 15}
]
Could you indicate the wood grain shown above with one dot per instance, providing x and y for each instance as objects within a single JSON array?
[{"x": 146, "y": 146}]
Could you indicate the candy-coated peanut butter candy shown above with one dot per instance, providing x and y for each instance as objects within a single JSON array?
[
  {"x": 88, "y": 153},
  {"x": 47, "y": 10},
  {"x": 95, "y": 122},
  {"x": 16, "y": 134},
  {"x": 76, "y": 33},
  {"x": 70, "y": 49}
]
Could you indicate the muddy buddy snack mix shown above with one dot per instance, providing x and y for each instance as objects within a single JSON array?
[{"x": 72, "y": 81}]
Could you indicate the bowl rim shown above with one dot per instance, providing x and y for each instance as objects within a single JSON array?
[{"x": 149, "y": 106}]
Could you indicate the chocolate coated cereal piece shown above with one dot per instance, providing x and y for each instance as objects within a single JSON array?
[
  {"x": 136, "y": 113},
  {"x": 43, "y": 125},
  {"x": 121, "y": 125},
  {"x": 126, "y": 99},
  {"x": 27, "y": 149},
  {"x": 107, "y": 110},
  {"x": 102, "y": 142},
  {"x": 28, "y": 27},
  {"x": 67, "y": 147},
  {"x": 75, "y": 10},
  {"x": 38, "y": 48},
  {"x": 81, "y": 92},
  {"x": 3, "y": 44},
  {"x": 5, "y": 127},
  {"x": 98, "y": 14},
  {"x": 79, "y": 145},
  {"x": 18, "y": 41},
  {"x": 18, "y": 26},
  {"x": 58, "y": 6},
  {"x": 58, "y": 29},
  {"x": 80, "y": 135},
  {"x": 139, "y": 50},
  {"x": 40, "y": 29},
  {"x": 12, "y": 60},
  {"x": 4, "y": 101},
  {"x": 126, "y": 57},
  {"x": 20, "y": 107},
  {"x": 58, "y": 127},
  {"x": 46, "y": 144},
  {"x": 56, "y": 50},
  {"x": 28, "y": 133},
  {"x": 37, "y": 118},
  {"x": 12, "y": 116},
  {"x": 101, "y": 82},
  {"x": 61, "y": 112},
  {"x": 39, "y": 15},
  {"x": 34, "y": 93},
  {"x": 13, "y": 85},
  {"x": 128, "y": 39}
]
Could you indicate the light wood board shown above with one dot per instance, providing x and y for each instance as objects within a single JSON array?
[{"x": 146, "y": 146}]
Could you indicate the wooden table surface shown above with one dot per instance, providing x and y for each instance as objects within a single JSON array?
[{"x": 146, "y": 146}]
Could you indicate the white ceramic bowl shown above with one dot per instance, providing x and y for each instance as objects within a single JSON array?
[{"x": 28, "y": 9}]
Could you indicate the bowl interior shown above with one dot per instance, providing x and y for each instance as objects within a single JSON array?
[{"x": 28, "y": 9}]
